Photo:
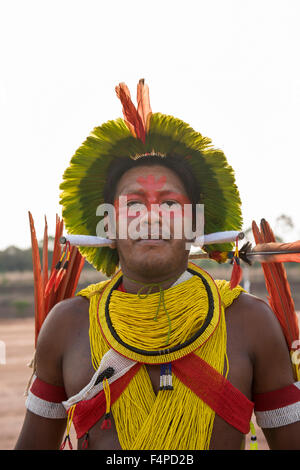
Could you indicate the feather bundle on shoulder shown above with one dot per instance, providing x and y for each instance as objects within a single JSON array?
[
  {"x": 280, "y": 297},
  {"x": 45, "y": 295}
]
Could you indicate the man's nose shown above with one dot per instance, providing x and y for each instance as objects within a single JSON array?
[{"x": 151, "y": 215}]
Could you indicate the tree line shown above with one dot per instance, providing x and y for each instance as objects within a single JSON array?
[{"x": 17, "y": 259}]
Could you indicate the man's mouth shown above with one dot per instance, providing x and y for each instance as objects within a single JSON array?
[
  {"x": 160, "y": 235},
  {"x": 152, "y": 242}
]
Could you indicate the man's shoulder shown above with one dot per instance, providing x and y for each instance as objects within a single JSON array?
[
  {"x": 67, "y": 320},
  {"x": 69, "y": 309},
  {"x": 258, "y": 324},
  {"x": 254, "y": 312},
  {"x": 253, "y": 308},
  {"x": 64, "y": 317}
]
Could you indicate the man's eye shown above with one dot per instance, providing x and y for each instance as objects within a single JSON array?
[
  {"x": 167, "y": 205},
  {"x": 136, "y": 206}
]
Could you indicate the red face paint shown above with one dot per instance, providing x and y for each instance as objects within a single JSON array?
[
  {"x": 150, "y": 197},
  {"x": 150, "y": 184},
  {"x": 152, "y": 192}
]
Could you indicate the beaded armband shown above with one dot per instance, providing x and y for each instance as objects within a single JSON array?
[
  {"x": 279, "y": 407},
  {"x": 46, "y": 400}
]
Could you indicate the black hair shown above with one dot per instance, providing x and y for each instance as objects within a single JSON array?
[{"x": 181, "y": 168}]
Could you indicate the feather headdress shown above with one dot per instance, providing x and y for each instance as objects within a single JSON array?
[{"x": 140, "y": 133}]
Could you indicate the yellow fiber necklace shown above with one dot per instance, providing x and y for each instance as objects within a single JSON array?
[
  {"x": 176, "y": 419},
  {"x": 133, "y": 327}
]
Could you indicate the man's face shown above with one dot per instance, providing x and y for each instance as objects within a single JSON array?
[{"x": 154, "y": 245}]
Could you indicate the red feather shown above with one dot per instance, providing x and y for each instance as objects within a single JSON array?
[
  {"x": 57, "y": 251},
  {"x": 236, "y": 275},
  {"x": 280, "y": 297},
  {"x": 38, "y": 279},
  {"x": 131, "y": 115},
  {"x": 45, "y": 255},
  {"x": 59, "y": 277},
  {"x": 143, "y": 101},
  {"x": 50, "y": 283},
  {"x": 64, "y": 282}
]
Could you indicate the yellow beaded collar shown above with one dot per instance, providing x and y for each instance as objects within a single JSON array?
[{"x": 129, "y": 326}]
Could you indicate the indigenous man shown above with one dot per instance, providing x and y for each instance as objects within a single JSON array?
[{"x": 160, "y": 356}]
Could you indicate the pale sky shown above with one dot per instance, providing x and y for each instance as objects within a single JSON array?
[{"x": 230, "y": 68}]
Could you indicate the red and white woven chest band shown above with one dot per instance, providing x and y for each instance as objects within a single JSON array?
[
  {"x": 279, "y": 407},
  {"x": 46, "y": 400}
]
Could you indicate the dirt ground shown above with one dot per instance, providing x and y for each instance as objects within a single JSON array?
[{"x": 18, "y": 336}]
